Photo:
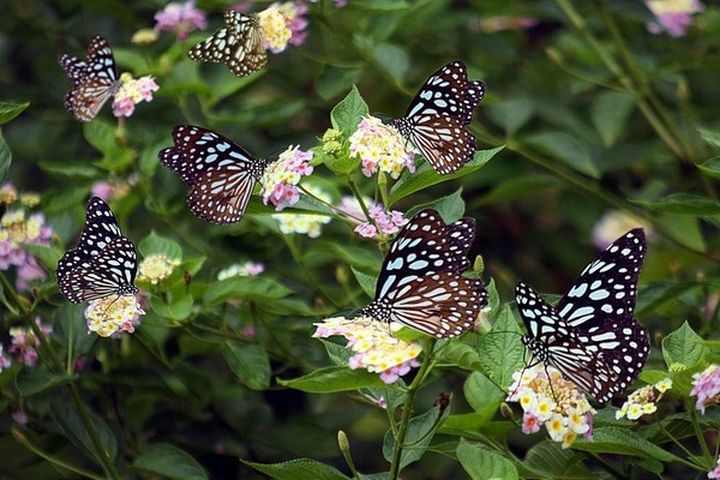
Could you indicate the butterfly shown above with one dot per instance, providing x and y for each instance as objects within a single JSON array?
[
  {"x": 103, "y": 263},
  {"x": 590, "y": 336},
  {"x": 421, "y": 283},
  {"x": 94, "y": 80},
  {"x": 436, "y": 119},
  {"x": 222, "y": 174},
  {"x": 239, "y": 45}
]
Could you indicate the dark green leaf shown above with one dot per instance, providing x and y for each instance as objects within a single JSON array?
[
  {"x": 683, "y": 204},
  {"x": 567, "y": 148},
  {"x": 154, "y": 244},
  {"x": 483, "y": 395},
  {"x": 5, "y": 158},
  {"x": 300, "y": 469},
  {"x": 367, "y": 282},
  {"x": 253, "y": 289},
  {"x": 683, "y": 346},
  {"x": 461, "y": 355},
  {"x": 710, "y": 136},
  {"x": 8, "y": 110},
  {"x": 71, "y": 423},
  {"x": 500, "y": 352},
  {"x": 31, "y": 381},
  {"x": 333, "y": 379},
  {"x": 450, "y": 207},
  {"x": 549, "y": 460},
  {"x": 511, "y": 114},
  {"x": 711, "y": 168},
  {"x": 425, "y": 176},
  {"x": 393, "y": 59},
  {"x": 249, "y": 363},
  {"x": 170, "y": 462},
  {"x": 622, "y": 442},
  {"x": 347, "y": 114},
  {"x": 610, "y": 113},
  {"x": 179, "y": 310},
  {"x": 419, "y": 433},
  {"x": 481, "y": 463}
]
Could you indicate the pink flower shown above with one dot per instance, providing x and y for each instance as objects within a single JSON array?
[
  {"x": 24, "y": 343},
  {"x": 281, "y": 177},
  {"x": 181, "y": 18},
  {"x": 28, "y": 272},
  {"x": 715, "y": 472},
  {"x": 366, "y": 230},
  {"x": 706, "y": 387},
  {"x": 123, "y": 107},
  {"x": 589, "y": 421},
  {"x": 673, "y": 16},
  {"x": 102, "y": 189},
  {"x": 250, "y": 331},
  {"x": 4, "y": 360},
  {"x": 20, "y": 417},
  {"x": 531, "y": 424}
]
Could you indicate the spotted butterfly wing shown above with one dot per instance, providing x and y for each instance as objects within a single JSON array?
[
  {"x": 597, "y": 313},
  {"x": 221, "y": 175},
  {"x": 239, "y": 45},
  {"x": 103, "y": 263},
  {"x": 94, "y": 80},
  {"x": 436, "y": 118},
  {"x": 420, "y": 283}
]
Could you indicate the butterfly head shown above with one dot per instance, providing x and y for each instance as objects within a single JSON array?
[
  {"x": 539, "y": 350},
  {"x": 127, "y": 289},
  {"x": 258, "y": 167},
  {"x": 378, "y": 310}
]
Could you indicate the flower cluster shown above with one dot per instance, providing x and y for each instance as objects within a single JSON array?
[
  {"x": 4, "y": 360},
  {"x": 247, "y": 269},
  {"x": 24, "y": 343},
  {"x": 303, "y": 223},
  {"x": 114, "y": 189},
  {"x": 279, "y": 182},
  {"x": 382, "y": 222},
  {"x": 614, "y": 224},
  {"x": 113, "y": 314},
  {"x": 18, "y": 227},
  {"x": 673, "y": 16},
  {"x": 706, "y": 387},
  {"x": 553, "y": 402},
  {"x": 715, "y": 472},
  {"x": 375, "y": 348},
  {"x": 131, "y": 92},
  {"x": 643, "y": 401},
  {"x": 282, "y": 24},
  {"x": 181, "y": 18},
  {"x": 332, "y": 141},
  {"x": 380, "y": 147},
  {"x": 156, "y": 267}
]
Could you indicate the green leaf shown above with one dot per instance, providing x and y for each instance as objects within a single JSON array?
[
  {"x": 450, "y": 207},
  {"x": 551, "y": 461},
  {"x": 472, "y": 423},
  {"x": 31, "y": 381},
  {"x": 70, "y": 329},
  {"x": 481, "y": 463},
  {"x": 517, "y": 187},
  {"x": 710, "y": 136},
  {"x": 683, "y": 346},
  {"x": 511, "y": 114},
  {"x": 169, "y": 461},
  {"x": 683, "y": 204},
  {"x": 300, "y": 469},
  {"x": 685, "y": 229},
  {"x": 567, "y": 148},
  {"x": 461, "y": 355},
  {"x": 425, "y": 176},
  {"x": 179, "y": 310},
  {"x": 252, "y": 289},
  {"x": 393, "y": 59},
  {"x": 419, "y": 433},
  {"x": 483, "y": 395},
  {"x": 381, "y": 5},
  {"x": 610, "y": 112},
  {"x": 711, "y": 167},
  {"x": 501, "y": 352},
  {"x": 8, "y": 110},
  {"x": 623, "y": 442},
  {"x": 367, "y": 282},
  {"x": 100, "y": 134},
  {"x": 71, "y": 423},
  {"x": 5, "y": 158},
  {"x": 48, "y": 255},
  {"x": 154, "y": 244},
  {"x": 333, "y": 379},
  {"x": 249, "y": 363},
  {"x": 346, "y": 115}
]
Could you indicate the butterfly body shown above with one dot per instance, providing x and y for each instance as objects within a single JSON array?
[
  {"x": 221, "y": 175},
  {"x": 590, "y": 336},
  {"x": 95, "y": 80},
  {"x": 239, "y": 45},
  {"x": 104, "y": 262},
  {"x": 436, "y": 120},
  {"x": 421, "y": 283}
]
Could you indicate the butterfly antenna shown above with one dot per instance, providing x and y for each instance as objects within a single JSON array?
[
  {"x": 117, "y": 297},
  {"x": 552, "y": 390}
]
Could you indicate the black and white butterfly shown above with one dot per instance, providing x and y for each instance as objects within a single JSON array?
[
  {"x": 239, "y": 45},
  {"x": 436, "y": 120},
  {"x": 94, "y": 80},
  {"x": 103, "y": 263},
  {"x": 221, "y": 174},
  {"x": 421, "y": 283},
  {"x": 591, "y": 336}
]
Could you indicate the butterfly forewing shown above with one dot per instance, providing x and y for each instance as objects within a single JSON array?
[
  {"x": 95, "y": 80},
  {"x": 474, "y": 92},
  {"x": 443, "y": 141},
  {"x": 221, "y": 174}
]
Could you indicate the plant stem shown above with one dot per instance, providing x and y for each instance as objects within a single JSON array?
[
  {"x": 699, "y": 433},
  {"x": 408, "y": 408},
  {"x": 360, "y": 199},
  {"x": 22, "y": 439}
]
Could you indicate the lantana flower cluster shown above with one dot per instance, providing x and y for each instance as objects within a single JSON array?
[
  {"x": 614, "y": 224},
  {"x": 24, "y": 343},
  {"x": 382, "y": 222},
  {"x": 156, "y": 267},
  {"x": 181, "y": 18},
  {"x": 643, "y": 401},
  {"x": 706, "y": 387},
  {"x": 548, "y": 399},
  {"x": 19, "y": 227},
  {"x": 375, "y": 348},
  {"x": 280, "y": 180},
  {"x": 131, "y": 92},
  {"x": 380, "y": 147},
  {"x": 282, "y": 24},
  {"x": 115, "y": 188},
  {"x": 114, "y": 314},
  {"x": 247, "y": 269},
  {"x": 4, "y": 360},
  {"x": 309, "y": 224},
  {"x": 673, "y": 16}
]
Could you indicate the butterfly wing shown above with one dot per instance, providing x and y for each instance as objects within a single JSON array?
[
  {"x": 441, "y": 93},
  {"x": 474, "y": 92},
  {"x": 222, "y": 195},
  {"x": 94, "y": 81},
  {"x": 443, "y": 141},
  {"x": 112, "y": 271}
]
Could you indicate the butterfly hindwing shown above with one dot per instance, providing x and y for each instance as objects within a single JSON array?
[{"x": 443, "y": 141}]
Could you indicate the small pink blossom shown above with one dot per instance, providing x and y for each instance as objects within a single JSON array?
[
  {"x": 673, "y": 16},
  {"x": 29, "y": 272},
  {"x": 24, "y": 343},
  {"x": 102, "y": 189},
  {"x": 706, "y": 387},
  {"x": 366, "y": 230},
  {"x": 280, "y": 180},
  {"x": 131, "y": 92},
  {"x": 123, "y": 107},
  {"x": 250, "y": 331},
  {"x": 20, "y": 417},
  {"x": 715, "y": 472},
  {"x": 531, "y": 423},
  {"x": 181, "y": 18}
]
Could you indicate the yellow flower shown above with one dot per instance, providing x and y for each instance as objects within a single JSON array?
[
  {"x": 556, "y": 427},
  {"x": 528, "y": 400},
  {"x": 663, "y": 385},
  {"x": 29, "y": 199},
  {"x": 648, "y": 408},
  {"x": 544, "y": 408},
  {"x": 144, "y": 35},
  {"x": 113, "y": 314},
  {"x": 274, "y": 28},
  {"x": 634, "y": 411},
  {"x": 8, "y": 194},
  {"x": 569, "y": 439},
  {"x": 156, "y": 268}
]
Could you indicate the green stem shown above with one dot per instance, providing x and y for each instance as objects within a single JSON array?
[
  {"x": 22, "y": 440},
  {"x": 360, "y": 199},
  {"x": 339, "y": 214},
  {"x": 408, "y": 409},
  {"x": 699, "y": 433},
  {"x": 679, "y": 445}
]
